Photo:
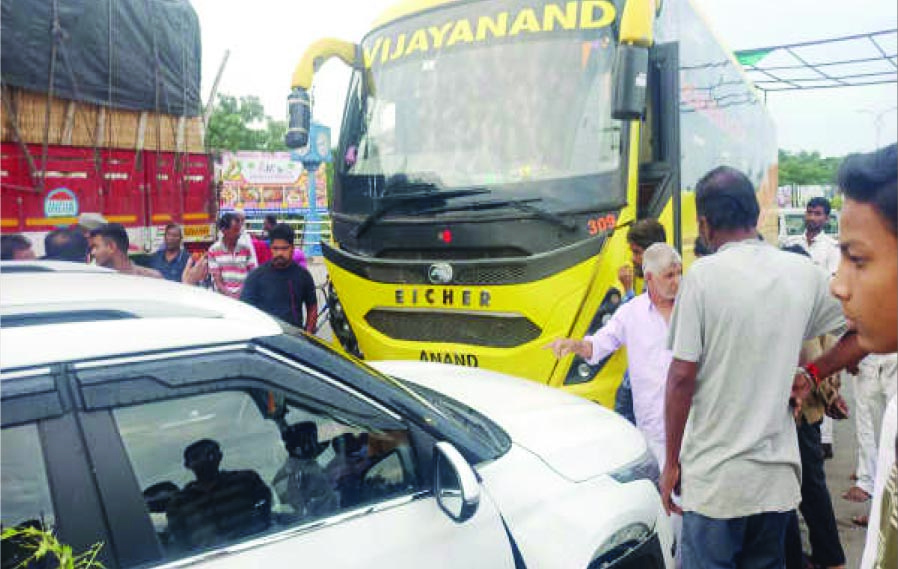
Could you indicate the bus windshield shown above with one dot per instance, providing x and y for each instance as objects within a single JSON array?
[{"x": 524, "y": 116}]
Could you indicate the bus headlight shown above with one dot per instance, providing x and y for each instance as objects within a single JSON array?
[
  {"x": 340, "y": 324},
  {"x": 580, "y": 371}
]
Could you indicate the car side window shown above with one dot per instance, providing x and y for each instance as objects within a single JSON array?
[
  {"x": 223, "y": 467},
  {"x": 25, "y": 491}
]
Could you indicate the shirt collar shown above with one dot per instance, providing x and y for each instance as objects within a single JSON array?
[
  {"x": 821, "y": 237},
  {"x": 752, "y": 242}
]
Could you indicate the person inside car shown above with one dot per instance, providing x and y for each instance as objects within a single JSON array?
[
  {"x": 301, "y": 482},
  {"x": 220, "y": 505}
]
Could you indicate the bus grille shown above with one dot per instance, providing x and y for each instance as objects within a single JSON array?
[
  {"x": 456, "y": 328},
  {"x": 465, "y": 275},
  {"x": 490, "y": 274}
]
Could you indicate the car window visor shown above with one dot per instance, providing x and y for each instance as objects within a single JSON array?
[{"x": 424, "y": 195}]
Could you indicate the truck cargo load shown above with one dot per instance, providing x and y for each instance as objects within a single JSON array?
[{"x": 101, "y": 113}]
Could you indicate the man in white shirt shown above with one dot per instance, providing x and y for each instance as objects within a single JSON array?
[
  {"x": 824, "y": 251},
  {"x": 641, "y": 326}
]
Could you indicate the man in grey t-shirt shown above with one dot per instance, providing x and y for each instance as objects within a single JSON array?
[{"x": 736, "y": 331}]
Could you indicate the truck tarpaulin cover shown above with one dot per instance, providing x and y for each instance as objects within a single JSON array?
[{"x": 130, "y": 54}]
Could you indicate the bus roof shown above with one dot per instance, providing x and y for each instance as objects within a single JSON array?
[{"x": 405, "y": 8}]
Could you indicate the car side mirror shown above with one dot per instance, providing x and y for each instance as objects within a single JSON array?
[
  {"x": 630, "y": 80},
  {"x": 455, "y": 483}
]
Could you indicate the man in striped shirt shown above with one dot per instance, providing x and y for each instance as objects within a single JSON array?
[{"x": 229, "y": 261}]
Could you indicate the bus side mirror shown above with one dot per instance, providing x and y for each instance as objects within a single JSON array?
[
  {"x": 630, "y": 77},
  {"x": 300, "y": 117}
]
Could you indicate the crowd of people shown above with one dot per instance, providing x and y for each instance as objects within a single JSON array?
[
  {"x": 735, "y": 368},
  {"x": 269, "y": 273},
  {"x": 735, "y": 372}
]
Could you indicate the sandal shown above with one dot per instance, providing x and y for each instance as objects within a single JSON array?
[{"x": 856, "y": 494}]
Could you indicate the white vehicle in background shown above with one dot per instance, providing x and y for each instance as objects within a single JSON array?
[
  {"x": 791, "y": 223},
  {"x": 108, "y": 380}
]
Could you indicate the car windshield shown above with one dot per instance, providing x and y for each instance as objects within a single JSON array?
[
  {"x": 458, "y": 411},
  {"x": 431, "y": 405},
  {"x": 503, "y": 112}
]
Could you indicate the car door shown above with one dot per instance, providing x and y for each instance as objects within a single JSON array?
[
  {"x": 308, "y": 469},
  {"x": 47, "y": 482}
]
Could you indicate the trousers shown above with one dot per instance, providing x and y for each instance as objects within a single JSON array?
[
  {"x": 816, "y": 506},
  {"x": 751, "y": 542},
  {"x": 875, "y": 384}
]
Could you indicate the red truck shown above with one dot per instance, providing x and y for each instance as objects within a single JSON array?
[{"x": 102, "y": 113}]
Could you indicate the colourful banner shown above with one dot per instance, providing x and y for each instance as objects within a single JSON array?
[{"x": 269, "y": 182}]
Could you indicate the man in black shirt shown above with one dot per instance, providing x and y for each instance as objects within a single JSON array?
[{"x": 280, "y": 287}]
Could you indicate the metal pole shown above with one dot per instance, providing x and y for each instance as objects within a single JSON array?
[{"x": 211, "y": 101}]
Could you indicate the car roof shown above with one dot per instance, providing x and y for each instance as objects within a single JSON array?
[
  {"x": 43, "y": 266},
  {"x": 60, "y": 316}
]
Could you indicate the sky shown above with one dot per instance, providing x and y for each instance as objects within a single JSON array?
[{"x": 266, "y": 39}]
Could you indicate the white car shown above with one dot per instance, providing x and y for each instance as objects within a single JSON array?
[{"x": 181, "y": 428}]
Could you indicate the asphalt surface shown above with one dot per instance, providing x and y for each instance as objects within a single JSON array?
[{"x": 838, "y": 470}]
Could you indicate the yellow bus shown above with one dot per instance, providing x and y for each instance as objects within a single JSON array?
[{"x": 491, "y": 156}]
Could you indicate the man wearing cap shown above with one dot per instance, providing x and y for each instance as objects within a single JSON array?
[{"x": 89, "y": 221}]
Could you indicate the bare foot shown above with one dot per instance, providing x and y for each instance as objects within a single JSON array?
[{"x": 856, "y": 494}]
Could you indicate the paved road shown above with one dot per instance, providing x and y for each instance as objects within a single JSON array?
[{"x": 838, "y": 471}]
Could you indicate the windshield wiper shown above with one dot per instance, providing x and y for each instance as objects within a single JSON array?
[
  {"x": 428, "y": 194},
  {"x": 524, "y": 205}
]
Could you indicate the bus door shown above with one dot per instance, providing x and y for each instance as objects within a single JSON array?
[{"x": 659, "y": 153}]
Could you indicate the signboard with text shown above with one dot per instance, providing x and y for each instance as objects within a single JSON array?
[{"x": 268, "y": 182}]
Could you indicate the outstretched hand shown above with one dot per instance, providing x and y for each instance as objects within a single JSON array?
[{"x": 561, "y": 347}]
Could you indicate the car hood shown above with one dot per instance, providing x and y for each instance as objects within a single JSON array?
[{"x": 577, "y": 438}]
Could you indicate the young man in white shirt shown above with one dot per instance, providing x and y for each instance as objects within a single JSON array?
[
  {"x": 867, "y": 286},
  {"x": 824, "y": 251}
]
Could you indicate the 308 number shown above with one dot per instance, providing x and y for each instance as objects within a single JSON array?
[{"x": 598, "y": 225}]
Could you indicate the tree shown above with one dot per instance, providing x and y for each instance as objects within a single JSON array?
[
  {"x": 241, "y": 124},
  {"x": 807, "y": 168}
]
